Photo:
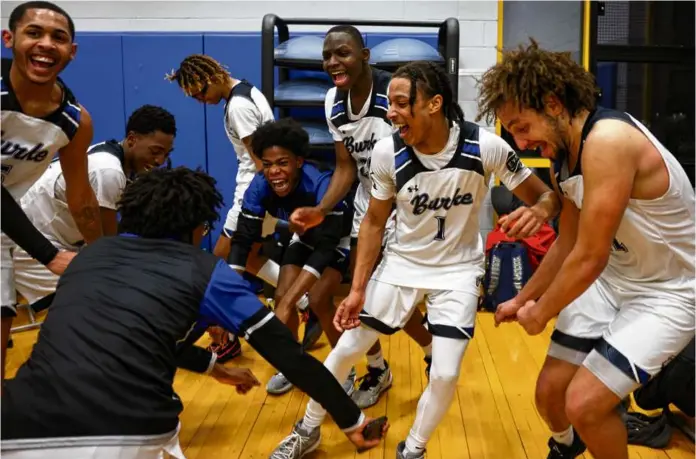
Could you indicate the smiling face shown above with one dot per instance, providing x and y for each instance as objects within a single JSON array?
[
  {"x": 414, "y": 122},
  {"x": 147, "y": 151},
  {"x": 532, "y": 130},
  {"x": 281, "y": 167},
  {"x": 343, "y": 59},
  {"x": 41, "y": 45}
]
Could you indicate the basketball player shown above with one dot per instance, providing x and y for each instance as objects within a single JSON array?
[
  {"x": 356, "y": 113},
  {"x": 41, "y": 118},
  {"x": 99, "y": 380},
  {"x": 150, "y": 133},
  {"x": 620, "y": 277},
  {"x": 246, "y": 108},
  {"x": 435, "y": 169},
  {"x": 314, "y": 262}
]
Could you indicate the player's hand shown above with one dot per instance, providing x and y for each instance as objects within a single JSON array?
[
  {"x": 358, "y": 439},
  {"x": 242, "y": 378},
  {"x": 305, "y": 218},
  {"x": 522, "y": 222},
  {"x": 61, "y": 261},
  {"x": 528, "y": 316},
  {"x": 346, "y": 316},
  {"x": 507, "y": 311}
]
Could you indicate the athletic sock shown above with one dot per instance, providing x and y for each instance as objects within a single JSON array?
[
  {"x": 565, "y": 438},
  {"x": 376, "y": 361}
]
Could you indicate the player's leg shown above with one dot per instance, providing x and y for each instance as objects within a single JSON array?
[
  {"x": 451, "y": 320},
  {"x": 578, "y": 328},
  {"x": 387, "y": 308},
  {"x": 8, "y": 295},
  {"x": 648, "y": 331}
]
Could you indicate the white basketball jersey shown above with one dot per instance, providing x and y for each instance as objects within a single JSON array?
[
  {"x": 654, "y": 245},
  {"x": 437, "y": 242},
  {"x": 245, "y": 111},
  {"x": 46, "y": 204},
  {"x": 28, "y": 143},
  {"x": 359, "y": 133}
]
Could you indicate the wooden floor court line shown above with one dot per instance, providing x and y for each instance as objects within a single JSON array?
[{"x": 492, "y": 417}]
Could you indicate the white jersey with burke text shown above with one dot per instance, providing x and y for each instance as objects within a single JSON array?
[{"x": 437, "y": 239}]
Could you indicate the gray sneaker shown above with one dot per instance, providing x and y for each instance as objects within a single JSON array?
[
  {"x": 298, "y": 444},
  {"x": 372, "y": 386},
  {"x": 402, "y": 454},
  {"x": 278, "y": 384},
  {"x": 349, "y": 384}
]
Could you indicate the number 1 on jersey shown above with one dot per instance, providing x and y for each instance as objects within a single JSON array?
[{"x": 440, "y": 236}]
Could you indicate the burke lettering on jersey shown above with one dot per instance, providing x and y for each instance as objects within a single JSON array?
[
  {"x": 36, "y": 153},
  {"x": 358, "y": 147},
  {"x": 422, "y": 202}
]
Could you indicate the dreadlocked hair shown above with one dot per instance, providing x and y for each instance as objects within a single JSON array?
[
  {"x": 169, "y": 203},
  {"x": 432, "y": 80},
  {"x": 527, "y": 75},
  {"x": 196, "y": 72}
]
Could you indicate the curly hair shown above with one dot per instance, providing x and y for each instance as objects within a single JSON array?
[
  {"x": 196, "y": 72},
  {"x": 169, "y": 203},
  {"x": 528, "y": 75},
  {"x": 286, "y": 133},
  {"x": 432, "y": 80},
  {"x": 150, "y": 118}
]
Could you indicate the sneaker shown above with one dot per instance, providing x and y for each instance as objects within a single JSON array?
[
  {"x": 230, "y": 348},
  {"x": 298, "y": 444},
  {"x": 349, "y": 384},
  {"x": 278, "y": 384},
  {"x": 303, "y": 303},
  {"x": 561, "y": 451},
  {"x": 428, "y": 363},
  {"x": 372, "y": 386},
  {"x": 402, "y": 454}
]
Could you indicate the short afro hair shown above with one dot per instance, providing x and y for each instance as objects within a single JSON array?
[
  {"x": 150, "y": 118},
  {"x": 286, "y": 133}
]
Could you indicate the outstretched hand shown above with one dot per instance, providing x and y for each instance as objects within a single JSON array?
[
  {"x": 357, "y": 436},
  {"x": 60, "y": 262},
  {"x": 242, "y": 378},
  {"x": 522, "y": 222},
  {"x": 305, "y": 218},
  {"x": 347, "y": 313}
]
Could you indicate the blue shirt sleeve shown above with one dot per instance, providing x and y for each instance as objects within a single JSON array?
[
  {"x": 254, "y": 196},
  {"x": 230, "y": 302}
]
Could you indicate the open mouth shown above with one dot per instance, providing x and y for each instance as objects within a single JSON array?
[
  {"x": 340, "y": 78},
  {"x": 403, "y": 129},
  {"x": 280, "y": 186},
  {"x": 42, "y": 62}
]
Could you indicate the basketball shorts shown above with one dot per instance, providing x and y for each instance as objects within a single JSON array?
[
  {"x": 450, "y": 314},
  {"x": 623, "y": 337},
  {"x": 298, "y": 253},
  {"x": 360, "y": 205},
  {"x": 244, "y": 178},
  {"x": 143, "y": 447},
  {"x": 8, "y": 294}
]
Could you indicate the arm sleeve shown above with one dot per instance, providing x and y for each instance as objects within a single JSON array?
[
  {"x": 108, "y": 184},
  {"x": 330, "y": 112},
  {"x": 191, "y": 357},
  {"x": 382, "y": 171},
  {"x": 230, "y": 302},
  {"x": 499, "y": 157},
  {"x": 243, "y": 116},
  {"x": 17, "y": 226},
  {"x": 249, "y": 223}
]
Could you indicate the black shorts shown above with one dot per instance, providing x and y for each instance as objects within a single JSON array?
[{"x": 297, "y": 254}]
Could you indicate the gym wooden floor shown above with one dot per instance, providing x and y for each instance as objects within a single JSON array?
[{"x": 493, "y": 415}]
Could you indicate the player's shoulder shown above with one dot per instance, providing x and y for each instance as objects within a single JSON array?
[
  {"x": 386, "y": 145},
  {"x": 491, "y": 143},
  {"x": 259, "y": 185}
]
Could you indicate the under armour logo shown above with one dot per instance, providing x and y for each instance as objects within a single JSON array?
[{"x": 413, "y": 189}]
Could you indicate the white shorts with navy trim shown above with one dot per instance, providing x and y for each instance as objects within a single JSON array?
[
  {"x": 450, "y": 314},
  {"x": 623, "y": 337}
]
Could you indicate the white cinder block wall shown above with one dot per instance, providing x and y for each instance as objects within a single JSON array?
[{"x": 478, "y": 23}]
